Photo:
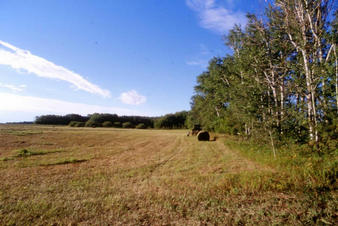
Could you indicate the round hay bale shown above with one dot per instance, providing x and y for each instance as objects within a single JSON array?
[{"x": 203, "y": 136}]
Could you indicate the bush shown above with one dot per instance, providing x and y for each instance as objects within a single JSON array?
[
  {"x": 93, "y": 124},
  {"x": 107, "y": 124},
  {"x": 117, "y": 124},
  {"x": 23, "y": 153},
  {"x": 76, "y": 124},
  {"x": 79, "y": 124},
  {"x": 141, "y": 126},
  {"x": 72, "y": 124},
  {"x": 127, "y": 125}
]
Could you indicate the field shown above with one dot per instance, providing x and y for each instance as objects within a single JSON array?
[{"x": 88, "y": 176}]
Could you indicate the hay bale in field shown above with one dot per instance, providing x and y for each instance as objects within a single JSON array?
[{"x": 203, "y": 136}]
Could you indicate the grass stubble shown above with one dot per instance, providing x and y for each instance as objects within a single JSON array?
[{"x": 105, "y": 176}]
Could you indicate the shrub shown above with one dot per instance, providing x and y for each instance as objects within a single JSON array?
[
  {"x": 90, "y": 123},
  {"x": 23, "y": 153},
  {"x": 117, "y": 124},
  {"x": 79, "y": 124},
  {"x": 72, "y": 123},
  {"x": 76, "y": 124},
  {"x": 141, "y": 126},
  {"x": 107, "y": 124},
  {"x": 101, "y": 118},
  {"x": 127, "y": 125}
]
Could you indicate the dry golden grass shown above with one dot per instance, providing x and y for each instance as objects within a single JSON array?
[{"x": 102, "y": 176}]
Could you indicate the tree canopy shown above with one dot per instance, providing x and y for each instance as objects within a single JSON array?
[{"x": 280, "y": 82}]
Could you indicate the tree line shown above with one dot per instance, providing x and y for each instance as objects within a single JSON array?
[
  {"x": 169, "y": 121},
  {"x": 280, "y": 83}
]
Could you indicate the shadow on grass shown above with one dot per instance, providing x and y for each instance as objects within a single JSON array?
[
  {"x": 23, "y": 133},
  {"x": 65, "y": 161}
]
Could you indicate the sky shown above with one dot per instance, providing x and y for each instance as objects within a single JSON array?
[{"x": 128, "y": 57}]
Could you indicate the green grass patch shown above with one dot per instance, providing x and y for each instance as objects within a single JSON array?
[
  {"x": 313, "y": 176},
  {"x": 6, "y": 159},
  {"x": 27, "y": 153},
  {"x": 304, "y": 169},
  {"x": 24, "y": 153}
]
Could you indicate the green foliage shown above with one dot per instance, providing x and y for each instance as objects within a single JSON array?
[
  {"x": 72, "y": 123},
  {"x": 329, "y": 137},
  {"x": 107, "y": 124},
  {"x": 60, "y": 120},
  {"x": 264, "y": 91},
  {"x": 172, "y": 121},
  {"x": 92, "y": 124},
  {"x": 305, "y": 169},
  {"x": 24, "y": 153},
  {"x": 141, "y": 126},
  {"x": 80, "y": 124},
  {"x": 76, "y": 124},
  {"x": 27, "y": 153},
  {"x": 117, "y": 124},
  {"x": 127, "y": 125},
  {"x": 94, "y": 120},
  {"x": 101, "y": 118}
]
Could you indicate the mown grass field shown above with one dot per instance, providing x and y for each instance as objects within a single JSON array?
[{"x": 86, "y": 176}]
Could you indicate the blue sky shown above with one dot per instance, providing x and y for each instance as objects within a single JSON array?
[{"x": 128, "y": 57}]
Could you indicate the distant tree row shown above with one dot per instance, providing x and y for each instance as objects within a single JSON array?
[
  {"x": 113, "y": 120},
  {"x": 172, "y": 121},
  {"x": 96, "y": 120},
  {"x": 169, "y": 121},
  {"x": 60, "y": 120},
  {"x": 281, "y": 81}
]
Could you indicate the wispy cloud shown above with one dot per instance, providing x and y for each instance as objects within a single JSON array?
[
  {"x": 202, "y": 57},
  {"x": 214, "y": 17},
  {"x": 204, "y": 49},
  {"x": 20, "y": 59},
  {"x": 36, "y": 105},
  {"x": 200, "y": 63},
  {"x": 15, "y": 88},
  {"x": 132, "y": 97}
]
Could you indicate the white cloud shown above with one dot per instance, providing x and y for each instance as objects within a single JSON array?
[
  {"x": 36, "y": 105},
  {"x": 20, "y": 59},
  {"x": 13, "y": 87},
  {"x": 216, "y": 18},
  {"x": 132, "y": 97}
]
